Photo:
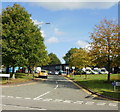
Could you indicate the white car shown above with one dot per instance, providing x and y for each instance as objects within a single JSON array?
[
  {"x": 56, "y": 73},
  {"x": 103, "y": 71}
]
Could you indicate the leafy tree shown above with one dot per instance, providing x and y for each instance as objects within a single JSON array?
[
  {"x": 53, "y": 59},
  {"x": 105, "y": 45},
  {"x": 22, "y": 43},
  {"x": 80, "y": 58},
  {"x": 68, "y": 55}
]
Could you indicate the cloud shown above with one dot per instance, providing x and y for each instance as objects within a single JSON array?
[
  {"x": 82, "y": 44},
  {"x": 43, "y": 33},
  {"x": 60, "y": 1},
  {"x": 56, "y": 6},
  {"x": 58, "y": 32},
  {"x": 52, "y": 40},
  {"x": 36, "y": 22}
]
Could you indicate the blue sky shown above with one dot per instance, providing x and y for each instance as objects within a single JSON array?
[{"x": 71, "y": 23}]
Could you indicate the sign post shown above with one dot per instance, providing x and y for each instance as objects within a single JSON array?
[
  {"x": 73, "y": 70},
  {"x": 115, "y": 84},
  {"x": 67, "y": 69}
]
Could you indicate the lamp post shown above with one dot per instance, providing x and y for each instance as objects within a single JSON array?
[
  {"x": 42, "y": 24},
  {"x": 39, "y": 26}
]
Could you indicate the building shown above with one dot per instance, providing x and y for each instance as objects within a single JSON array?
[{"x": 56, "y": 67}]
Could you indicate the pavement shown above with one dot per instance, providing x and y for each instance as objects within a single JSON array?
[{"x": 54, "y": 93}]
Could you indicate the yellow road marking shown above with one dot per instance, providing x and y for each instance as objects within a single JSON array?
[{"x": 88, "y": 91}]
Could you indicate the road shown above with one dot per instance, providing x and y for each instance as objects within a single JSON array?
[{"x": 55, "y": 93}]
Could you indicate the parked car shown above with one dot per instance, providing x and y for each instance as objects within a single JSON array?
[
  {"x": 103, "y": 71},
  {"x": 64, "y": 73},
  {"x": 56, "y": 72}
]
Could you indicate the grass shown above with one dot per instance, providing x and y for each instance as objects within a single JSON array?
[
  {"x": 98, "y": 83},
  {"x": 19, "y": 78}
]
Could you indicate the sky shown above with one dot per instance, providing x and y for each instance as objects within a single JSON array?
[{"x": 70, "y": 22}]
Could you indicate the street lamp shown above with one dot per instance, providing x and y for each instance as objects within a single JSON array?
[
  {"x": 40, "y": 27},
  {"x": 41, "y": 23}
]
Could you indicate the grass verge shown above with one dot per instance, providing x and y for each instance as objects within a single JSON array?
[
  {"x": 98, "y": 83},
  {"x": 19, "y": 78}
]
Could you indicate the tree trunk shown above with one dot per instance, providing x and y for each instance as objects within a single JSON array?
[
  {"x": 13, "y": 70},
  {"x": 7, "y": 69},
  {"x": 109, "y": 66}
]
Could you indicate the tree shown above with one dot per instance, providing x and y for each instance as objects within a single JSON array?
[
  {"x": 80, "y": 58},
  {"x": 68, "y": 55},
  {"x": 53, "y": 59},
  {"x": 22, "y": 43},
  {"x": 105, "y": 44}
]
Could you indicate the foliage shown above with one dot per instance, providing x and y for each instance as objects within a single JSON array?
[
  {"x": 53, "y": 59},
  {"x": 22, "y": 43},
  {"x": 68, "y": 55},
  {"x": 105, "y": 45},
  {"x": 78, "y": 57}
]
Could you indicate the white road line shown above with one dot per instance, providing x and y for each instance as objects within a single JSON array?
[
  {"x": 47, "y": 99},
  {"x": 27, "y": 98},
  {"x": 38, "y": 99},
  {"x": 58, "y": 100},
  {"x": 56, "y": 87},
  {"x": 67, "y": 101},
  {"x": 18, "y": 97},
  {"x": 89, "y": 103},
  {"x": 78, "y": 102},
  {"x": 113, "y": 104},
  {"x": 10, "y": 96},
  {"x": 23, "y": 107},
  {"x": 41, "y": 95},
  {"x": 101, "y": 103}
]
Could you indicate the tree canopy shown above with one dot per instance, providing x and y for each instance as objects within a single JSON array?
[
  {"x": 105, "y": 45},
  {"x": 68, "y": 55},
  {"x": 53, "y": 59},
  {"x": 22, "y": 43},
  {"x": 78, "y": 57}
]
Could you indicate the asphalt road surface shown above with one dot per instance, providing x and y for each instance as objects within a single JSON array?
[{"x": 55, "y": 93}]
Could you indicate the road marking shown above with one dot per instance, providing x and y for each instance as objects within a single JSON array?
[
  {"x": 79, "y": 102},
  {"x": 18, "y": 106},
  {"x": 10, "y": 96},
  {"x": 100, "y": 103},
  {"x": 56, "y": 87},
  {"x": 41, "y": 95},
  {"x": 89, "y": 103},
  {"x": 18, "y": 97},
  {"x": 47, "y": 100},
  {"x": 58, "y": 100},
  {"x": 19, "y": 85},
  {"x": 112, "y": 104},
  {"x": 67, "y": 101},
  {"x": 27, "y": 98},
  {"x": 38, "y": 99}
]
